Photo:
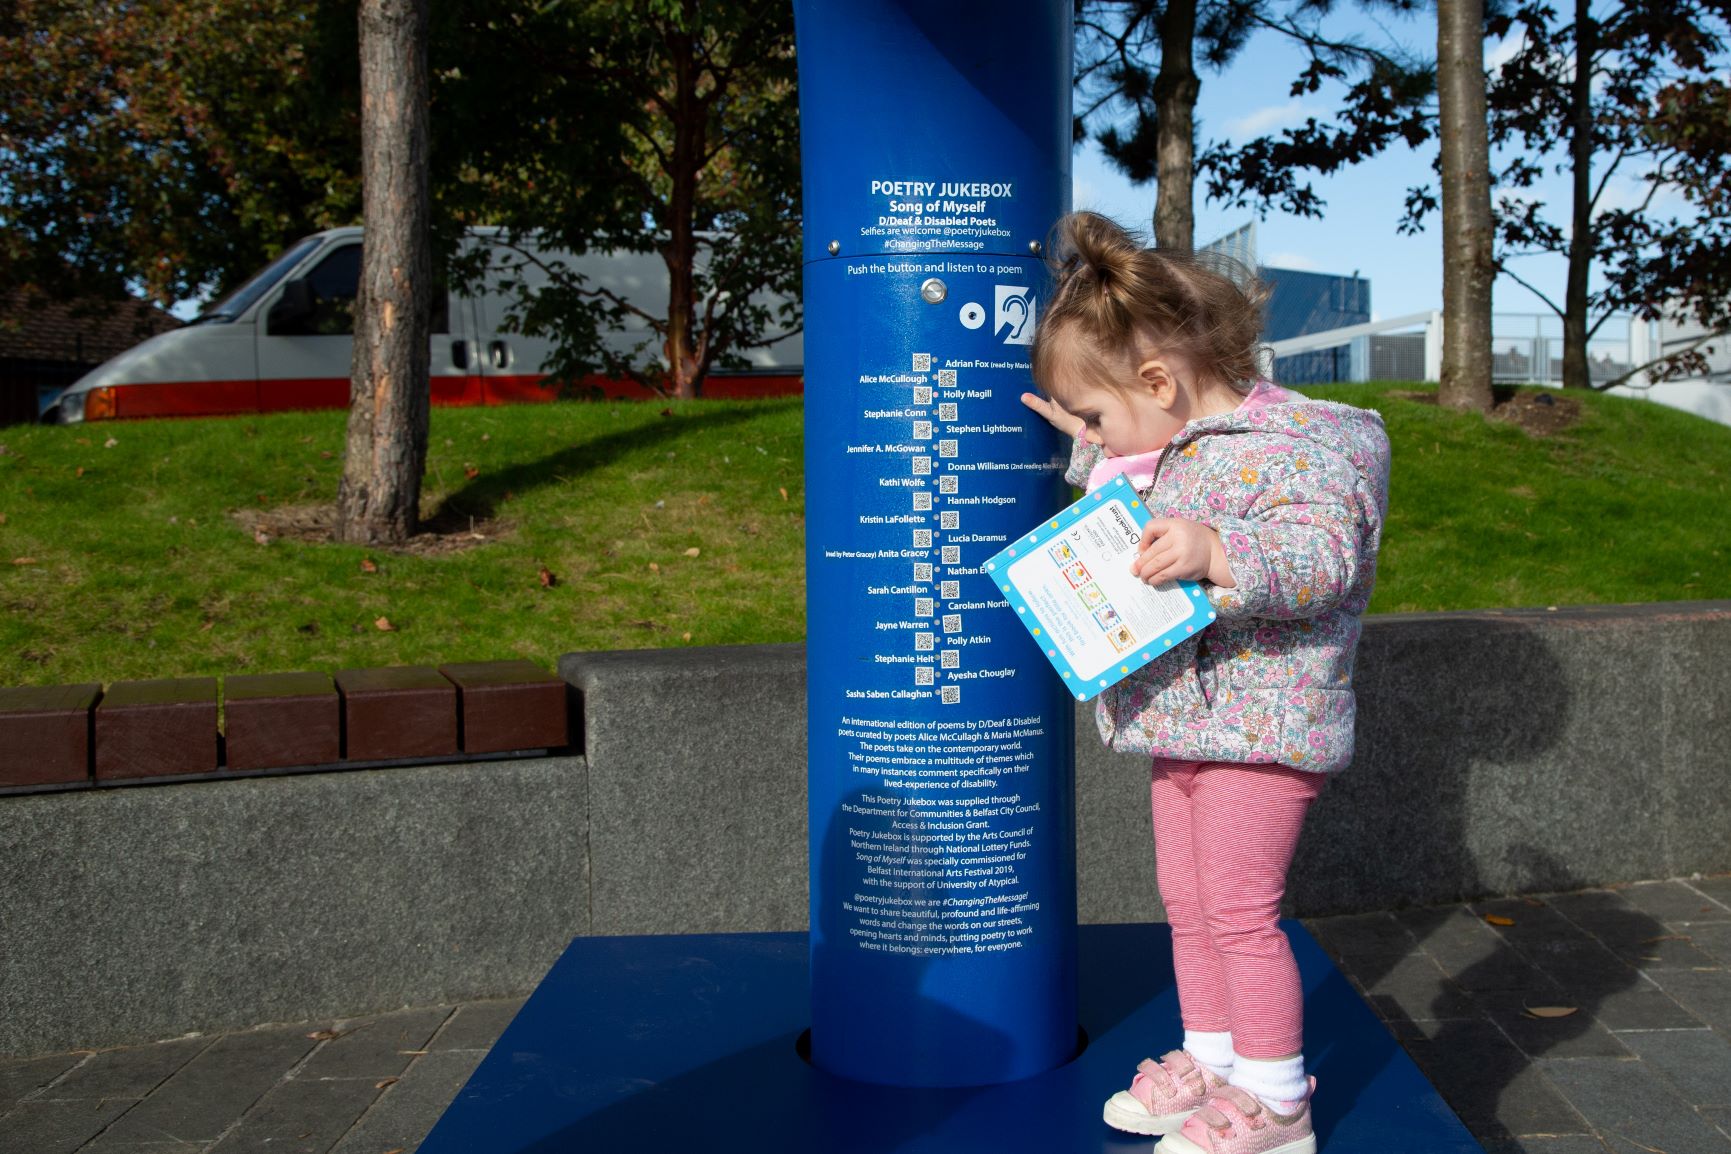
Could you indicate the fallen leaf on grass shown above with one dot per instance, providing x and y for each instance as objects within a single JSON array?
[
  {"x": 80, "y": 471},
  {"x": 206, "y": 627},
  {"x": 471, "y": 472},
  {"x": 486, "y": 436},
  {"x": 693, "y": 551},
  {"x": 326, "y": 454},
  {"x": 686, "y": 636},
  {"x": 325, "y": 1035},
  {"x": 667, "y": 412},
  {"x": 383, "y": 625},
  {"x": 784, "y": 493},
  {"x": 110, "y": 443},
  {"x": 703, "y": 500},
  {"x": 261, "y": 536},
  {"x": 654, "y": 568},
  {"x": 383, "y": 1082},
  {"x": 368, "y": 565},
  {"x": 1499, "y": 920},
  {"x": 82, "y": 440},
  {"x": 3, "y": 521},
  {"x": 547, "y": 578},
  {"x": 23, "y": 560},
  {"x": 1549, "y": 1011}
]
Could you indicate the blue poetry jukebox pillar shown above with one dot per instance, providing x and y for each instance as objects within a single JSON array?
[{"x": 936, "y": 155}]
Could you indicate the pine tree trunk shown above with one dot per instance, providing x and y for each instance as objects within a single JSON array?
[
  {"x": 1175, "y": 92},
  {"x": 1575, "y": 374},
  {"x": 690, "y": 116},
  {"x": 1469, "y": 264},
  {"x": 379, "y": 498}
]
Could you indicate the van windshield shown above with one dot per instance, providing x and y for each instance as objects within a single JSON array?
[{"x": 243, "y": 298}]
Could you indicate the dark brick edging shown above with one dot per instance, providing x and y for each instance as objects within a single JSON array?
[{"x": 66, "y": 737}]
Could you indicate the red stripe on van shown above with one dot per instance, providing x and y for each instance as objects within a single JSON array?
[{"x": 222, "y": 398}]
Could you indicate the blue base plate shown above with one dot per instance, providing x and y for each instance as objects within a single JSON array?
[{"x": 690, "y": 1043}]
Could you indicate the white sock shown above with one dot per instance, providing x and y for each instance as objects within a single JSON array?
[
  {"x": 1212, "y": 1050},
  {"x": 1280, "y": 1084}
]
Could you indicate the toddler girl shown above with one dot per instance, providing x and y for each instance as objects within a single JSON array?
[{"x": 1276, "y": 504}]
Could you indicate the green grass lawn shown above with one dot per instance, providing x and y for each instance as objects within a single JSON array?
[{"x": 139, "y": 559}]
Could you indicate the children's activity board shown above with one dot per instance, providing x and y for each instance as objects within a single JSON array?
[{"x": 1071, "y": 585}]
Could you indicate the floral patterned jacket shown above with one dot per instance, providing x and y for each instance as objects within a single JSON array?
[{"x": 1297, "y": 490}]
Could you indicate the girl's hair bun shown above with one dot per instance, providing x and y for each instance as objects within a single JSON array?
[{"x": 1113, "y": 292}]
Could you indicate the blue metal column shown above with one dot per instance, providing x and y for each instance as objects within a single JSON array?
[{"x": 936, "y": 153}]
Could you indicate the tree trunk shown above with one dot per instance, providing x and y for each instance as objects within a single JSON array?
[
  {"x": 690, "y": 120},
  {"x": 379, "y": 498},
  {"x": 1469, "y": 264},
  {"x": 1575, "y": 374},
  {"x": 1175, "y": 92}
]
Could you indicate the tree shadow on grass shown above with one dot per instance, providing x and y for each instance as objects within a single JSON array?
[{"x": 480, "y": 498}]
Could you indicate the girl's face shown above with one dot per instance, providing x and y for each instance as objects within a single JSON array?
[{"x": 1141, "y": 417}]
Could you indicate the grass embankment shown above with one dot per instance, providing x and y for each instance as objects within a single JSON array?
[{"x": 146, "y": 563}]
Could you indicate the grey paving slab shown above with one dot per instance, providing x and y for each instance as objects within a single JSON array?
[
  {"x": 1712, "y": 937},
  {"x": 374, "y": 1047},
  {"x": 108, "y": 1145},
  {"x": 1547, "y": 1144},
  {"x": 1483, "y": 962},
  {"x": 1377, "y": 933},
  {"x": 59, "y": 1126},
  {"x": 1675, "y": 901},
  {"x": 301, "y": 1116},
  {"x": 1697, "y": 1062},
  {"x": 1717, "y": 887},
  {"x": 1643, "y": 1007},
  {"x": 129, "y": 1073},
  {"x": 1704, "y": 993},
  {"x": 1426, "y": 922},
  {"x": 1633, "y": 1109},
  {"x": 1492, "y": 1085},
  {"x": 22, "y": 1077},
  {"x": 1578, "y": 1035},
  {"x": 476, "y": 1025},
  {"x": 210, "y": 1092},
  {"x": 406, "y": 1111},
  {"x": 1415, "y": 987}
]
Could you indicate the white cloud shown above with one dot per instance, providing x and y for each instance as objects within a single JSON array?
[
  {"x": 1292, "y": 260},
  {"x": 1505, "y": 50},
  {"x": 1269, "y": 118}
]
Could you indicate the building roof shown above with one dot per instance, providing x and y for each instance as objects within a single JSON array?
[{"x": 36, "y": 327}]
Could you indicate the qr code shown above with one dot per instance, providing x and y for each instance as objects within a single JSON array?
[
  {"x": 950, "y": 589},
  {"x": 922, "y": 430},
  {"x": 949, "y": 519},
  {"x": 924, "y": 642},
  {"x": 947, "y": 411},
  {"x": 946, "y": 448},
  {"x": 947, "y": 378},
  {"x": 950, "y": 659},
  {"x": 950, "y": 694},
  {"x": 924, "y": 675},
  {"x": 922, "y": 607},
  {"x": 947, "y": 484},
  {"x": 922, "y": 501},
  {"x": 922, "y": 394},
  {"x": 952, "y": 623},
  {"x": 922, "y": 571},
  {"x": 922, "y": 538},
  {"x": 951, "y": 555},
  {"x": 922, "y": 362},
  {"x": 922, "y": 466}
]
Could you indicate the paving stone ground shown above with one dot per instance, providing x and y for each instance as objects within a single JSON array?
[{"x": 1640, "y": 1064}]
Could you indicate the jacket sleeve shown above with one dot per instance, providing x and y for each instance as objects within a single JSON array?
[
  {"x": 1084, "y": 455},
  {"x": 1295, "y": 552}
]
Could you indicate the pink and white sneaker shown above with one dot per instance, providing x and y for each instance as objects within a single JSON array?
[
  {"x": 1234, "y": 1122},
  {"x": 1162, "y": 1095}
]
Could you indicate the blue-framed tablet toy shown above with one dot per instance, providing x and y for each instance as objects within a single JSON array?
[{"x": 1070, "y": 583}]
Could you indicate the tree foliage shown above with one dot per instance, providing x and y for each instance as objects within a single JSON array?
[
  {"x": 1637, "y": 90},
  {"x": 171, "y": 148}
]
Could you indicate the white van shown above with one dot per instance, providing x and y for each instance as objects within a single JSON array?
[{"x": 283, "y": 340}]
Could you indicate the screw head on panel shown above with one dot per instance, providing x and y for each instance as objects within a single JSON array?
[
  {"x": 834, "y": 247},
  {"x": 933, "y": 290},
  {"x": 1034, "y": 247}
]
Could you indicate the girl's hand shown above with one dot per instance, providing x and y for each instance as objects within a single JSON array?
[
  {"x": 1055, "y": 413},
  {"x": 1174, "y": 549}
]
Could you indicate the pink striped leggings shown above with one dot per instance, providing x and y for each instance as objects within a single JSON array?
[{"x": 1223, "y": 839}]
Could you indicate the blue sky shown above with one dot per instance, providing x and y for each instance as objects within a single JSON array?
[{"x": 1364, "y": 203}]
